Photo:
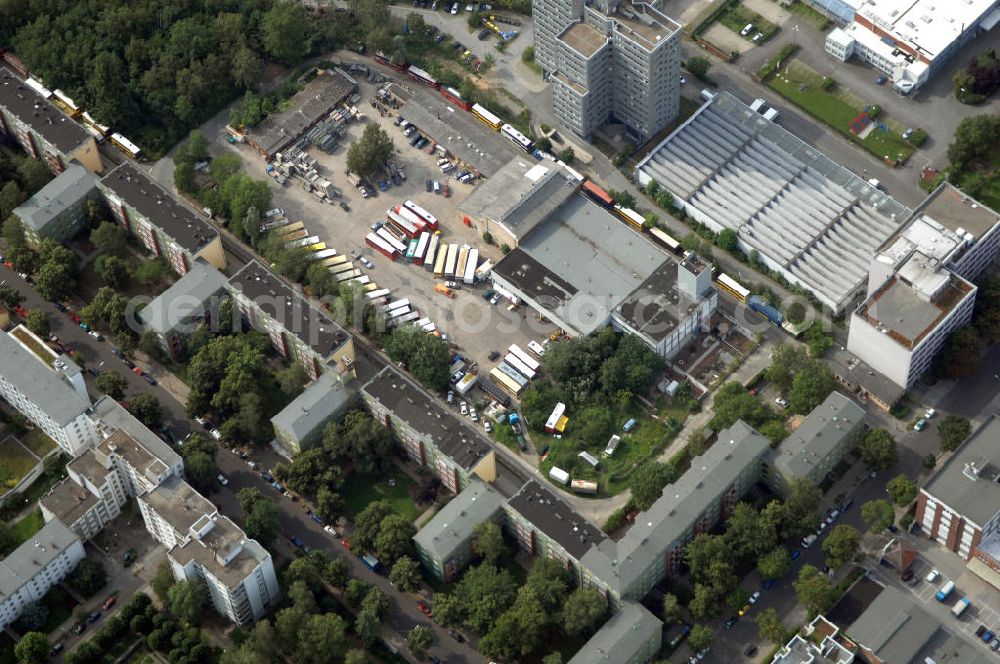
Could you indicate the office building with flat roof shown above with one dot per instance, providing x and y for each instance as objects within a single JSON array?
[
  {"x": 633, "y": 635},
  {"x": 654, "y": 546},
  {"x": 444, "y": 544},
  {"x": 28, "y": 117},
  {"x": 609, "y": 61},
  {"x": 59, "y": 210},
  {"x": 180, "y": 310},
  {"x": 296, "y": 328},
  {"x": 819, "y": 642},
  {"x": 300, "y": 424},
  {"x": 430, "y": 436},
  {"x": 47, "y": 388},
  {"x": 959, "y": 506},
  {"x": 163, "y": 224},
  {"x": 816, "y": 446},
  {"x": 30, "y": 570}
]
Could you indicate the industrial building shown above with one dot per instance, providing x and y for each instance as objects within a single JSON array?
[
  {"x": 29, "y": 118},
  {"x": 47, "y": 388},
  {"x": 609, "y": 61},
  {"x": 300, "y": 424},
  {"x": 919, "y": 285},
  {"x": 522, "y": 194},
  {"x": 806, "y": 217},
  {"x": 816, "y": 446},
  {"x": 296, "y": 328},
  {"x": 324, "y": 93},
  {"x": 59, "y": 209},
  {"x": 160, "y": 221},
  {"x": 908, "y": 41},
  {"x": 187, "y": 303}
]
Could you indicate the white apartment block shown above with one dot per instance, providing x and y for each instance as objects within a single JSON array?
[
  {"x": 88, "y": 499},
  {"x": 35, "y": 566},
  {"x": 46, "y": 388},
  {"x": 919, "y": 285}
]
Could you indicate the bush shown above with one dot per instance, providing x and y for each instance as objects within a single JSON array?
[
  {"x": 615, "y": 520},
  {"x": 771, "y": 65},
  {"x": 917, "y": 137},
  {"x": 874, "y": 111},
  {"x": 827, "y": 84}
]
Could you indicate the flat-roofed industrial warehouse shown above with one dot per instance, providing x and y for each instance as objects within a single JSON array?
[{"x": 809, "y": 218}]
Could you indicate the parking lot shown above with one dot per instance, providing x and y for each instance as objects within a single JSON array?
[{"x": 474, "y": 325}]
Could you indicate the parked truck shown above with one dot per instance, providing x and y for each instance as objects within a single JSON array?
[
  {"x": 960, "y": 607},
  {"x": 515, "y": 426}
]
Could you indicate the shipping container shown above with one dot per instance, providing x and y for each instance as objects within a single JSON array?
[
  {"x": 505, "y": 382},
  {"x": 466, "y": 383},
  {"x": 612, "y": 445},
  {"x": 557, "y": 412},
  {"x": 440, "y": 261},
  {"x": 493, "y": 391},
  {"x": 536, "y": 348},
  {"x": 522, "y": 368},
  {"x": 463, "y": 259},
  {"x": 584, "y": 486},
  {"x": 559, "y": 475},
  {"x": 513, "y": 374}
]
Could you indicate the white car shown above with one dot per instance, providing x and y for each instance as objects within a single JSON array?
[
  {"x": 454, "y": 9},
  {"x": 222, "y": 479},
  {"x": 781, "y": 401},
  {"x": 464, "y": 408},
  {"x": 487, "y": 426},
  {"x": 215, "y": 433},
  {"x": 754, "y": 597},
  {"x": 331, "y": 530},
  {"x": 932, "y": 576},
  {"x": 930, "y": 413},
  {"x": 474, "y": 415},
  {"x": 495, "y": 299},
  {"x": 367, "y": 263},
  {"x": 202, "y": 421},
  {"x": 252, "y": 464}
]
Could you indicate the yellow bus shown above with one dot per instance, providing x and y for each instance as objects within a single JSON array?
[{"x": 729, "y": 285}]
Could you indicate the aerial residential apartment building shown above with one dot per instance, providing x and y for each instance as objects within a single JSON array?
[
  {"x": 908, "y": 41},
  {"x": 296, "y": 328},
  {"x": 654, "y": 546},
  {"x": 59, "y": 210},
  {"x": 30, "y": 570},
  {"x": 46, "y": 388},
  {"x": 633, "y": 635},
  {"x": 430, "y": 437},
  {"x": 919, "y": 285},
  {"x": 609, "y": 61},
  {"x": 28, "y": 117},
  {"x": 816, "y": 446},
  {"x": 160, "y": 221},
  {"x": 87, "y": 500},
  {"x": 959, "y": 507},
  {"x": 300, "y": 424},
  {"x": 181, "y": 309}
]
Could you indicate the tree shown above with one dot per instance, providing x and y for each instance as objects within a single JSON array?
[
  {"x": 671, "y": 608},
  {"x": 146, "y": 408},
  {"x": 975, "y": 138},
  {"x": 814, "y": 590},
  {"x": 367, "y": 155},
  {"x": 55, "y": 281},
  {"x": 878, "y": 449},
  {"x": 550, "y": 582},
  {"x": 10, "y": 297},
  {"x": 961, "y": 353},
  {"x": 366, "y": 626},
  {"x": 152, "y": 271},
  {"x": 11, "y": 196},
  {"x": 699, "y": 66},
  {"x": 774, "y": 564},
  {"x": 34, "y": 616},
  {"x": 405, "y": 574},
  {"x": 319, "y": 637},
  {"x": 488, "y": 542},
  {"x": 355, "y": 656},
  {"x": 841, "y": 545},
  {"x": 799, "y": 508},
  {"x": 187, "y": 601},
  {"x": 424, "y": 355},
  {"x": 201, "y": 470},
  {"x": 901, "y": 489},
  {"x": 286, "y": 32},
  {"x": 711, "y": 562},
  {"x": 583, "y": 610},
  {"x": 33, "y": 648},
  {"x": 88, "y": 577},
  {"x": 448, "y": 609},
  {"x": 163, "y": 580},
  {"x": 110, "y": 239},
  {"x": 700, "y": 637},
  {"x": 771, "y": 627},
  {"x": 727, "y": 239},
  {"x": 878, "y": 514},
  {"x": 112, "y": 270},
  {"x": 647, "y": 482},
  {"x": 356, "y": 592},
  {"x": 376, "y": 602},
  {"x": 113, "y": 384},
  {"x": 733, "y": 402},
  {"x": 420, "y": 639},
  {"x": 554, "y": 657},
  {"x": 810, "y": 388},
  {"x": 484, "y": 593},
  {"x": 262, "y": 523},
  {"x": 953, "y": 430},
  {"x": 567, "y": 155},
  {"x": 38, "y": 322},
  {"x": 818, "y": 340},
  {"x": 748, "y": 534}
]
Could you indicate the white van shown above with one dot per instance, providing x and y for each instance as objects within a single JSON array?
[
  {"x": 745, "y": 31},
  {"x": 808, "y": 540},
  {"x": 437, "y": 187},
  {"x": 771, "y": 114},
  {"x": 757, "y": 104},
  {"x": 707, "y": 94}
]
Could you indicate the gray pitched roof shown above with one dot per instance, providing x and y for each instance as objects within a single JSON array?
[
  {"x": 186, "y": 297},
  {"x": 893, "y": 627},
  {"x": 966, "y": 483},
  {"x": 323, "y": 399},
  {"x": 819, "y": 433},
  {"x": 27, "y": 560},
  {"x": 454, "y": 523},
  {"x": 40, "y": 383},
  {"x": 621, "y": 638},
  {"x": 65, "y": 190}
]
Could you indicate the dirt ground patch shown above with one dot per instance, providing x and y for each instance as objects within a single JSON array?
[
  {"x": 769, "y": 10},
  {"x": 684, "y": 11},
  {"x": 726, "y": 39}
]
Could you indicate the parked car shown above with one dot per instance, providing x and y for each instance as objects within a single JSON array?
[
  {"x": 331, "y": 530},
  {"x": 464, "y": 408},
  {"x": 781, "y": 401},
  {"x": 487, "y": 426},
  {"x": 729, "y": 623},
  {"x": 428, "y": 186},
  {"x": 920, "y": 425},
  {"x": 455, "y": 635},
  {"x": 108, "y": 603},
  {"x": 367, "y": 263},
  {"x": 149, "y": 379},
  {"x": 222, "y": 479},
  {"x": 494, "y": 354},
  {"x": 215, "y": 434},
  {"x": 754, "y": 597},
  {"x": 750, "y": 651},
  {"x": 932, "y": 576},
  {"x": 94, "y": 617},
  {"x": 907, "y": 575},
  {"x": 316, "y": 518},
  {"x": 377, "y": 225},
  {"x": 424, "y": 609}
]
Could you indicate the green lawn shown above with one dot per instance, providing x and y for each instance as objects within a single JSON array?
[
  {"x": 28, "y": 526},
  {"x": 16, "y": 460},
  {"x": 809, "y": 15},
  {"x": 60, "y": 606},
  {"x": 837, "y": 108},
  {"x": 643, "y": 444},
  {"x": 39, "y": 443},
  {"x": 737, "y": 18},
  {"x": 360, "y": 490}
]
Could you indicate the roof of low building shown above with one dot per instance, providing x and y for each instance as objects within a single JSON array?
[
  {"x": 41, "y": 383},
  {"x": 289, "y": 309},
  {"x": 69, "y": 501},
  {"x": 320, "y": 401},
  {"x": 68, "y": 188},
  {"x": 34, "y": 555},
  {"x": 186, "y": 298},
  {"x": 621, "y": 638},
  {"x": 857, "y": 373},
  {"x": 413, "y": 405},
  {"x": 548, "y": 512},
  {"x": 968, "y": 483},
  {"x": 39, "y": 114},
  {"x": 893, "y": 627},
  {"x": 164, "y": 210},
  {"x": 821, "y": 432},
  {"x": 128, "y": 448},
  {"x": 657, "y": 306},
  {"x": 454, "y": 523}
]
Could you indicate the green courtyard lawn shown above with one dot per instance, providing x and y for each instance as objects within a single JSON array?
[
  {"x": 38, "y": 442},
  {"x": 28, "y": 526},
  {"x": 360, "y": 490},
  {"x": 643, "y": 444},
  {"x": 737, "y": 17},
  {"x": 16, "y": 461},
  {"x": 837, "y": 108},
  {"x": 809, "y": 15}
]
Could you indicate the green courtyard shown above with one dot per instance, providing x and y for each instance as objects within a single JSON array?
[
  {"x": 16, "y": 461},
  {"x": 393, "y": 485}
]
